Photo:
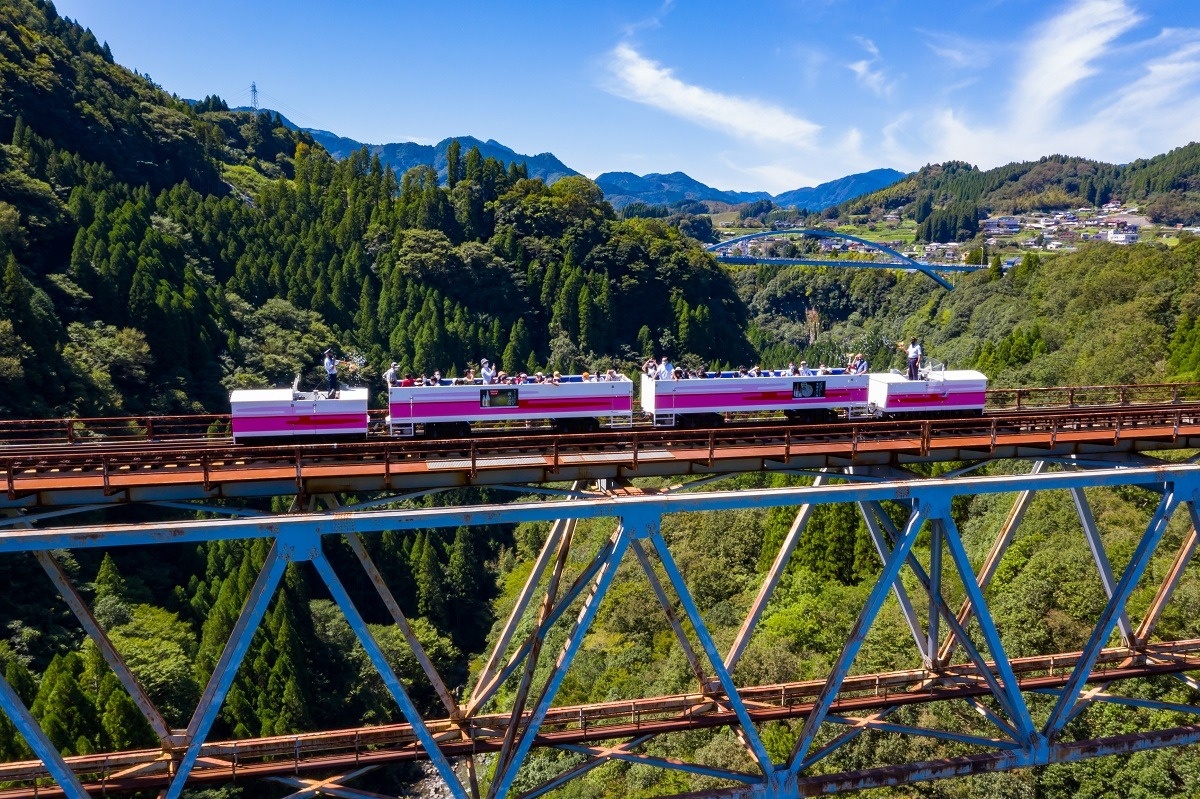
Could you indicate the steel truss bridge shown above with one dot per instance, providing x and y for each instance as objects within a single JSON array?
[
  {"x": 1015, "y": 711},
  {"x": 883, "y": 257}
]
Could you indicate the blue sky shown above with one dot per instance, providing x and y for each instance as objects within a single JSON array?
[{"x": 740, "y": 95}]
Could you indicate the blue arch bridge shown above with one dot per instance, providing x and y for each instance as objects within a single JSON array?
[
  {"x": 1018, "y": 709},
  {"x": 872, "y": 255}
]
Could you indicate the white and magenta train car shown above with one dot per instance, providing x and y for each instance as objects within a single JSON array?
[
  {"x": 952, "y": 392},
  {"x": 276, "y": 414},
  {"x": 701, "y": 401},
  {"x": 704, "y": 401},
  {"x": 572, "y": 405}
]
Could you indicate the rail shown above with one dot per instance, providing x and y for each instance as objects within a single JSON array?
[
  {"x": 57, "y": 475},
  {"x": 166, "y": 431}
]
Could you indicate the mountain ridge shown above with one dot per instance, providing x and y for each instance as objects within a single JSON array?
[{"x": 620, "y": 188}]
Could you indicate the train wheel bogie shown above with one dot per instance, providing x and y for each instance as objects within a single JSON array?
[
  {"x": 448, "y": 430},
  {"x": 587, "y": 424}
]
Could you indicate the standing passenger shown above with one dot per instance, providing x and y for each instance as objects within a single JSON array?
[
  {"x": 390, "y": 378},
  {"x": 331, "y": 365},
  {"x": 487, "y": 372},
  {"x": 914, "y": 359}
]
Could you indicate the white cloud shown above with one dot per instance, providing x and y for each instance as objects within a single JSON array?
[
  {"x": 1064, "y": 55},
  {"x": 1078, "y": 91},
  {"x": 867, "y": 73},
  {"x": 645, "y": 81}
]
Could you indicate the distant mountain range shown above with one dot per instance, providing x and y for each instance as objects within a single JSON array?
[{"x": 620, "y": 188}]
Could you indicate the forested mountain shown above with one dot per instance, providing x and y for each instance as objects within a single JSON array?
[
  {"x": 624, "y": 188},
  {"x": 1166, "y": 187},
  {"x": 154, "y": 253},
  {"x": 403, "y": 156},
  {"x": 833, "y": 192},
  {"x": 219, "y": 248}
]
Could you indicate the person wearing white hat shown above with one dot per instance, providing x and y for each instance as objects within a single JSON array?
[
  {"x": 487, "y": 372},
  {"x": 331, "y": 365},
  {"x": 390, "y": 377}
]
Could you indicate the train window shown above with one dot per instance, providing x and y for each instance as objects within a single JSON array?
[
  {"x": 808, "y": 389},
  {"x": 498, "y": 398}
]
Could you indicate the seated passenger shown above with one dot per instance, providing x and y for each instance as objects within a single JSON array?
[
  {"x": 611, "y": 375},
  {"x": 824, "y": 370},
  {"x": 408, "y": 381},
  {"x": 538, "y": 377},
  {"x": 792, "y": 371},
  {"x": 805, "y": 371},
  {"x": 555, "y": 378},
  {"x": 859, "y": 365}
]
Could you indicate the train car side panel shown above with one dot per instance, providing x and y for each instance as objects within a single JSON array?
[
  {"x": 953, "y": 390},
  {"x": 664, "y": 399},
  {"x": 569, "y": 399},
  {"x": 283, "y": 413}
]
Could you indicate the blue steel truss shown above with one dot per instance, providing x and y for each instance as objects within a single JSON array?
[
  {"x": 1010, "y": 733},
  {"x": 896, "y": 260}
]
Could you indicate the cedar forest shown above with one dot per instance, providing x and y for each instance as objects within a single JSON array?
[{"x": 156, "y": 253}]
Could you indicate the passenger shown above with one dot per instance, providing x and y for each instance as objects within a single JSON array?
[
  {"x": 555, "y": 379},
  {"x": 824, "y": 370},
  {"x": 390, "y": 377},
  {"x": 586, "y": 376},
  {"x": 650, "y": 367},
  {"x": 437, "y": 377},
  {"x": 666, "y": 371},
  {"x": 469, "y": 376},
  {"x": 859, "y": 365},
  {"x": 741, "y": 372},
  {"x": 914, "y": 359},
  {"x": 538, "y": 377},
  {"x": 408, "y": 381},
  {"x": 522, "y": 378},
  {"x": 611, "y": 375},
  {"x": 487, "y": 372},
  {"x": 805, "y": 371},
  {"x": 679, "y": 374},
  {"x": 755, "y": 371},
  {"x": 703, "y": 372},
  {"x": 331, "y": 365},
  {"x": 792, "y": 371}
]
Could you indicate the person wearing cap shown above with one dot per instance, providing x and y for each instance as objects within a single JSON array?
[
  {"x": 805, "y": 371},
  {"x": 554, "y": 380},
  {"x": 487, "y": 372},
  {"x": 331, "y": 365},
  {"x": 914, "y": 359},
  {"x": 391, "y": 377}
]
